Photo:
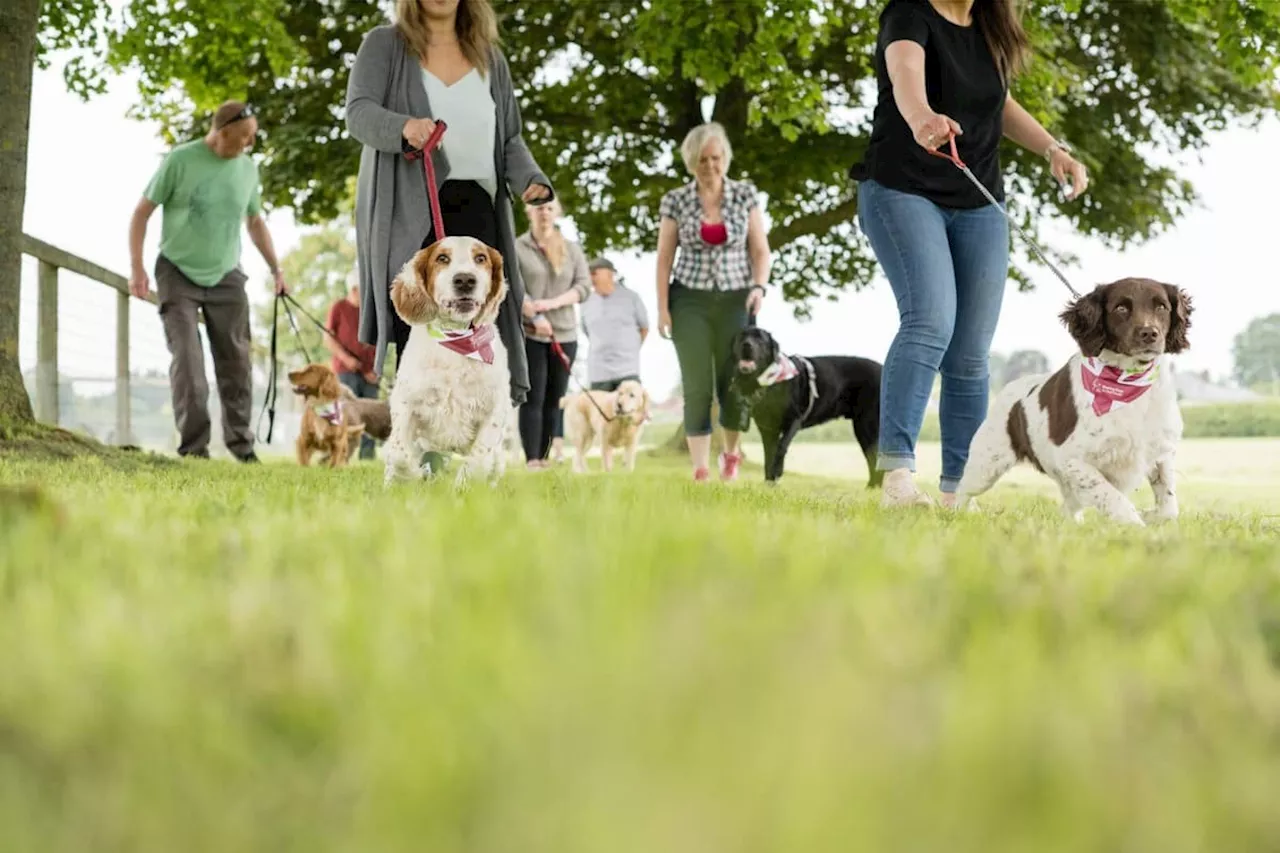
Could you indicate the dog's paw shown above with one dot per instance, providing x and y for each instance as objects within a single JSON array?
[{"x": 1161, "y": 515}]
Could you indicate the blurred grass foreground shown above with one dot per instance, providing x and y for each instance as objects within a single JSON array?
[{"x": 203, "y": 657}]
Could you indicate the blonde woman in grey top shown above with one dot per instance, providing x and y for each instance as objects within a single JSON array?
[{"x": 554, "y": 269}]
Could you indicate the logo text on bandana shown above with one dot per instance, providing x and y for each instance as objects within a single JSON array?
[
  {"x": 1111, "y": 387},
  {"x": 475, "y": 342},
  {"x": 781, "y": 370}
]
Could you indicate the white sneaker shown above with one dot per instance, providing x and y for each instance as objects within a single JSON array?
[{"x": 899, "y": 489}]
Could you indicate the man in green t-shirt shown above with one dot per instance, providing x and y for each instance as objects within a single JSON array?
[{"x": 207, "y": 189}]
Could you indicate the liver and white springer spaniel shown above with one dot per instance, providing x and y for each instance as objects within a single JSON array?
[
  {"x": 452, "y": 391},
  {"x": 1108, "y": 419}
]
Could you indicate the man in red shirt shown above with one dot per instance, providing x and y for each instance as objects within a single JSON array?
[{"x": 352, "y": 360}]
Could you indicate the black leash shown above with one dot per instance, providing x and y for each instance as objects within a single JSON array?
[
  {"x": 269, "y": 401},
  {"x": 289, "y": 300}
]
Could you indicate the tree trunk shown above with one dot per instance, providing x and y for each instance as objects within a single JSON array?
[{"x": 18, "y": 21}]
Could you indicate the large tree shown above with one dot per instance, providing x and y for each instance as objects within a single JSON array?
[
  {"x": 612, "y": 86},
  {"x": 18, "y": 24}
]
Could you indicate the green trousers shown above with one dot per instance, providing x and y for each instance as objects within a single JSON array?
[{"x": 703, "y": 323}]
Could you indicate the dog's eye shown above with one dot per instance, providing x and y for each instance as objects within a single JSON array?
[
  {"x": 1122, "y": 309},
  {"x": 1162, "y": 307},
  {"x": 442, "y": 259},
  {"x": 482, "y": 258}
]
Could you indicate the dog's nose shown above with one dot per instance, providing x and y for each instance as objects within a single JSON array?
[
  {"x": 1148, "y": 334},
  {"x": 464, "y": 283}
]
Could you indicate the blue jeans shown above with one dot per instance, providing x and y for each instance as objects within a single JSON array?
[
  {"x": 361, "y": 387},
  {"x": 948, "y": 269}
]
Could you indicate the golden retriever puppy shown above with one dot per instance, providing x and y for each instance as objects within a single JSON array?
[
  {"x": 626, "y": 409},
  {"x": 328, "y": 425}
]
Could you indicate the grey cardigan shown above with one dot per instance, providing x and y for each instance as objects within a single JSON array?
[
  {"x": 542, "y": 282},
  {"x": 384, "y": 91}
]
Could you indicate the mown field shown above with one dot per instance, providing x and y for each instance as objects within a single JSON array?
[{"x": 204, "y": 657}]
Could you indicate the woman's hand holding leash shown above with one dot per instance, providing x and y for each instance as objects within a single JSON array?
[
  {"x": 755, "y": 298},
  {"x": 417, "y": 131},
  {"x": 536, "y": 193},
  {"x": 931, "y": 129}
]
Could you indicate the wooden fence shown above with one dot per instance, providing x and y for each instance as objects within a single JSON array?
[{"x": 51, "y": 260}]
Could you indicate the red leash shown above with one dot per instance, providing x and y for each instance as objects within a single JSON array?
[
  {"x": 568, "y": 367},
  {"x": 954, "y": 159},
  {"x": 429, "y": 175}
]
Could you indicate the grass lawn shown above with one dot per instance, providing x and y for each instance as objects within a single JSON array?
[{"x": 206, "y": 657}]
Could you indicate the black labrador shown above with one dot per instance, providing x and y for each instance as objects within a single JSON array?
[{"x": 785, "y": 402}]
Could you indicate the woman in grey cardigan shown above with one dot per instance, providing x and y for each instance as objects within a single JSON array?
[{"x": 439, "y": 60}]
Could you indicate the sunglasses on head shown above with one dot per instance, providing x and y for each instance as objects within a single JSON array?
[{"x": 245, "y": 112}]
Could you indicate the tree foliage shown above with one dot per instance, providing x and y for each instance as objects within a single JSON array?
[
  {"x": 1256, "y": 354},
  {"x": 611, "y": 86}
]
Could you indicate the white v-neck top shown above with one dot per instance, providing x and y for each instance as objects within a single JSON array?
[{"x": 467, "y": 108}]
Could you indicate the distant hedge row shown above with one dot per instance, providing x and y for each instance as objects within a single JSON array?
[{"x": 1223, "y": 420}]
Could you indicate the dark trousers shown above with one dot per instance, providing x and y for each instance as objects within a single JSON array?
[
  {"x": 703, "y": 323},
  {"x": 361, "y": 387},
  {"x": 548, "y": 380},
  {"x": 225, "y": 311},
  {"x": 467, "y": 211}
]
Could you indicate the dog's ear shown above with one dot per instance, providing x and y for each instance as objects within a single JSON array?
[
  {"x": 497, "y": 288},
  {"x": 1085, "y": 319},
  {"x": 413, "y": 292},
  {"x": 330, "y": 387},
  {"x": 1179, "y": 319}
]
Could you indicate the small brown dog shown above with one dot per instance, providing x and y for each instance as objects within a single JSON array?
[
  {"x": 627, "y": 409},
  {"x": 334, "y": 417}
]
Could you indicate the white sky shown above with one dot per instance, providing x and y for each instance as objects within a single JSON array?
[{"x": 88, "y": 165}]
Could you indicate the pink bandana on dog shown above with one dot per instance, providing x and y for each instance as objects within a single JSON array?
[
  {"x": 475, "y": 342},
  {"x": 330, "y": 412},
  {"x": 781, "y": 370},
  {"x": 1111, "y": 387}
]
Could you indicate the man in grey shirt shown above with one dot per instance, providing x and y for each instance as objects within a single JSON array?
[{"x": 616, "y": 323}]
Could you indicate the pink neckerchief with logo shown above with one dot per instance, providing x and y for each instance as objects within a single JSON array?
[
  {"x": 781, "y": 370},
  {"x": 1112, "y": 387},
  {"x": 330, "y": 412},
  {"x": 475, "y": 342}
]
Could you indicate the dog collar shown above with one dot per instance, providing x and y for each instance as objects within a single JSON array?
[
  {"x": 1110, "y": 387},
  {"x": 475, "y": 342},
  {"x": 331, "y": 412},
  {"x": 783, "y": 369}
]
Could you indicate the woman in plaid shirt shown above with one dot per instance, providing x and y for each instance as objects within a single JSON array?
[{"x": 708, "y": 290}]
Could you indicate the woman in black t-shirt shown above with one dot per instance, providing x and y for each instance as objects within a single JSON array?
[{"x": 943, "y": 68}]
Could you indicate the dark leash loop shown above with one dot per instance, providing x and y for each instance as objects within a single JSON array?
[
  {"x": 273, "y": 393},
  {"x": 954, "y": 159},
  {"x": 269, "y": 401},
  {"x": 564, "y": 359}
]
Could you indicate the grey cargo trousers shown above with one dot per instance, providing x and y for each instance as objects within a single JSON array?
[{"x": 225, "y": 310}]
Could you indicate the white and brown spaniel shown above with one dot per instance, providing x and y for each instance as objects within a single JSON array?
[
  {"x": 1106, "y": 421},
  {"x": 452, "y": 390}
]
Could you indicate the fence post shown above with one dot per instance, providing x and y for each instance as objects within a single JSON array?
[
  {"x": 124, "y": 397},
  {"x": 47, "y": 343}
]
